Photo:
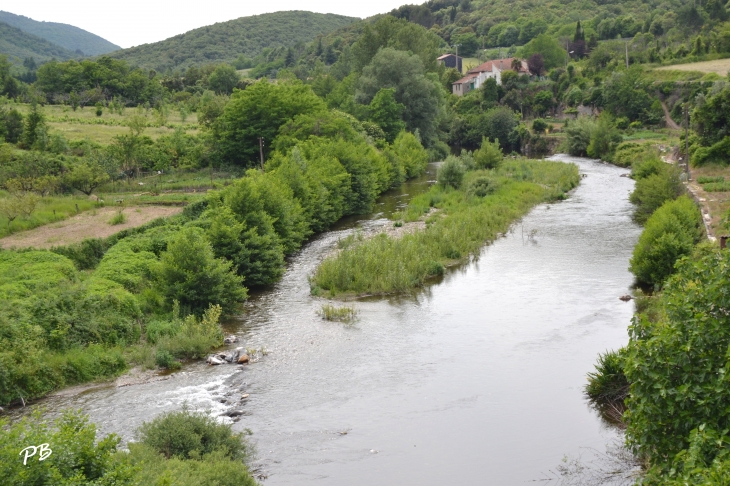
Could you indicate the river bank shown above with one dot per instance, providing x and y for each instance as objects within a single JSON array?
[{"x": 446, "y": 384}]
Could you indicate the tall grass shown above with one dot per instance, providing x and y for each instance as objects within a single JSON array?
[
  {"x": 333, "y": 313},
  {"x": 50, "y": 209},
  {"x": 385, "y": 265}
]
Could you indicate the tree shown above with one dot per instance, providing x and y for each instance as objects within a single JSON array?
[
  {"x": 536, "y": 64},
  {"x": 290, "y": 59},
  {"x": 35, "y": 127},
  {"x": 711, "y": 119},
  {"x": 490, "y": 93},
  {"x": 551, "y": 52},
  {"x": 387, "y": 112},
  {"x": 543, "y": 102},
  {"x": 625, "y": 94},
  {"x": 398, "y": 34},
  {"x": 189, "y": 273},
  {"x": 468, "y": 43},
  {"x": 11, "y": 125},
  {"x": 259, "y": 111},
  {"x": 86, "y": 176},
  {"x": 256, "y": 253},
  {"x": 223, "y": 79},
  {"x": 450, "y": 76},
  {"x": 420, "y": 95}
]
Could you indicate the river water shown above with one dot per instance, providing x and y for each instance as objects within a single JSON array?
[{"x": 475, "y": 379}]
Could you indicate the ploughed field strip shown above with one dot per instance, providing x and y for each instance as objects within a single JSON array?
[{"x": 89, "y": 224}]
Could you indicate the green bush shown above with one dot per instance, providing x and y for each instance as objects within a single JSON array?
[
  {"x": 489, "y": 155},
  {"x": 77, "y": 456},
  {"x": 85, "y": 255},
  {"x": 608, "y": 383},
  {"x": 187, "y": 434},
  {"x": 678, "y": 367},
  {"x": 578, "y": 135},
  {"x": 539, "y": 125},
  {"x": 651, "y": 191},
  {"x": 670, "y": 233},
  {"x": 80, "y": 456},
  {"x": 628, "y": 152},
  {"x": 482, "y": 186},
  {"x": 707, "y": 180},
  {"x": 189, "y": 273},
  {"x": 165, "y": 359},
  {"x": 451, "y": 172}
]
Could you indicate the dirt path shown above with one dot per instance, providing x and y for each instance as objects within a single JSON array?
[
  {"x": 89, "y": 224},
  {"x": 668, "y": 118}
]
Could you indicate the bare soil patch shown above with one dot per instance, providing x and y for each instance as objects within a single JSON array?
[{"x": 89, "y": 224}]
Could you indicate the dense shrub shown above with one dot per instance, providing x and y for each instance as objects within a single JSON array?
[
  {"x": 80, "y": 456},
  {"x": 651, "y": 191},
  {"x": 678, "y": 366},
  {"x": 670, "y": 233},
  {"x": 578, "y": 135},
  {"x": 77, "y": 457},
  {"x": 451, "y": 172},
  {"x": 190, "y": 273},
  {"x": 489, "y": 155},
  {"x": 187, "y": 434},
  {"x": 608, "y": 383}
]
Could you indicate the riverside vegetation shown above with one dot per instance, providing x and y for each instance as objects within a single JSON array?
[
  {"x": 153, "y": 295},
  {"x": 181, "y": 448},
  {"x": 333, "y": 125},
  {"x": 477, "y": 197}
]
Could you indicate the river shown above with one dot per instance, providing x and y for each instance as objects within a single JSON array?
[{"x": 475, "y": 379}]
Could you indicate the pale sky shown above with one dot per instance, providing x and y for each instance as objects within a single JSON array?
[{"x": 133, "y": 22}]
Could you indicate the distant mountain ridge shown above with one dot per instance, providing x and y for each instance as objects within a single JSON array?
[
  {"x": 225, "y": 41},
  {"x": 66, "y": 36},
  {"x": 18, "y": 45}
]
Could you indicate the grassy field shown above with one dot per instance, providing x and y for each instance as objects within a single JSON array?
[
  {"x": 50, "y": 209},
  {"x": 720, "y": 67},
  {"x": 83, "y": 123}
]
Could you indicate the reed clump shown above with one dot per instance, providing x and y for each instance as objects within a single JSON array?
[
  {"x": 384, "y": 264},
  {"x": 345, "y": 313}
]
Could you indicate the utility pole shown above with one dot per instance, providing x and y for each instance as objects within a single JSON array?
[
  {"x": 261, "y": 151},
  {"x": 627, "y": 54},
  {"x": 686, "y": 138},
  {"x": 458, "y": 65}
]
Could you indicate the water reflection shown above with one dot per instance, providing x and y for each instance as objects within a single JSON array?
[{"x": 473, "y": 379}]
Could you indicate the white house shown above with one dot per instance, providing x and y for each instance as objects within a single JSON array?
[{"x": 491, "y": 69}]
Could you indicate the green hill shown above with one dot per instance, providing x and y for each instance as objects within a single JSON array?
[
  {"x": 64, "y": 35},
  {"x": 225, "y": 41},
  {"x": 18, "y": 45}
]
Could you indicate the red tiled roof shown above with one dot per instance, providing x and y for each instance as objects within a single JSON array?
[
  {"x": 466, "y": 78},
  {"x": 501, "y": 64}
]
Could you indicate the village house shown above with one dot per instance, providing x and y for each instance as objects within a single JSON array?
[
  {"x": 491, "y": 69},
  {"x": 450, "y": 61}
]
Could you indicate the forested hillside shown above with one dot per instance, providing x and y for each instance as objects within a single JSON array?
[
  {"x": 226, "y": 41},
  {"x": 18, "y": 45},
  {"x": 478, "y": 24},
  {"x": 64, "y": 35}
]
